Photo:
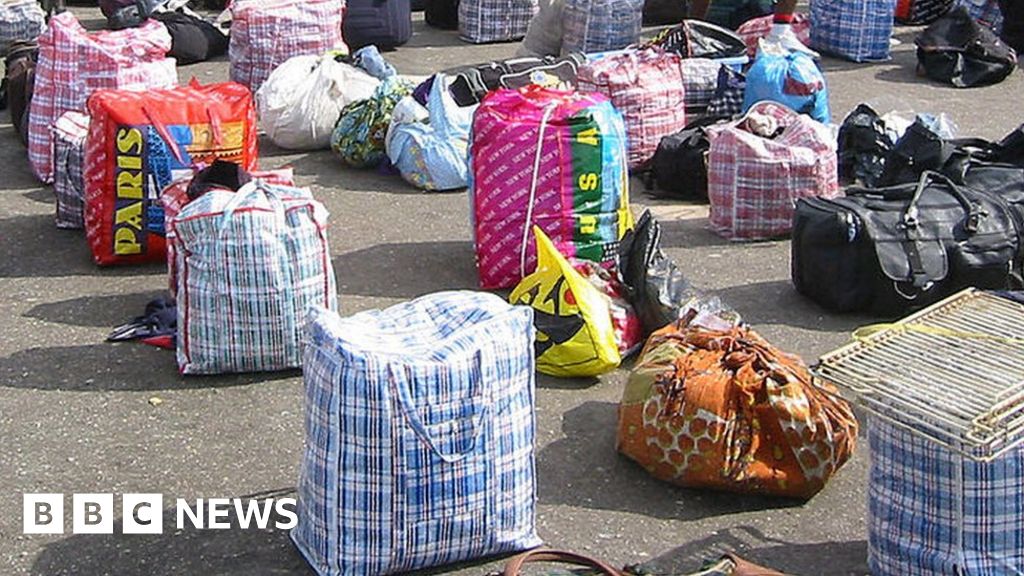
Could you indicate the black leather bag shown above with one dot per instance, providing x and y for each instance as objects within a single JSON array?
[
  {"x": 679, "y": 168},
  {"x": 957, "y": 50},
  {"x": 469, "y": 84},
  {"x": 661, "y": 12},
  {"x": 699, "y": 39},
  {"x": 192, "y": 39},
  {"x": 443, "y": 14},
  {"x": 18, "y": 82},
  {"x": 863, "y": 146},
  {"x": 890, "y": 250}
]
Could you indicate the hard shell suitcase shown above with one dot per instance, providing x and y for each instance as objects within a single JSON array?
[
  {"x": 385, "y": 24},
  {"x": 443, "y": 14}
]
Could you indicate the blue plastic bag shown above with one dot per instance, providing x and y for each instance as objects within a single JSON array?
[
  {"x": 432, "y": 156},
  {"x": 793, "y": 80}
]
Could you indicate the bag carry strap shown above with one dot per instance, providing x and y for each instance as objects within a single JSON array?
[
  {"x": 974, "y": 212},
  {"x": 513, "y": 567},
  {"x": 743, "y": 568}
]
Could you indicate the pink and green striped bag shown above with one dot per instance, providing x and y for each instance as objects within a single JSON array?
[{"x": 549, "y": 158}]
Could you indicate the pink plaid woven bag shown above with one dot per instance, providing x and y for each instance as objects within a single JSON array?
[
  {"x": 756, "y": 28},
  {"x": 646, "y": 86},
  {"x": 73, "y": 64},
  {"x": 265, "y": 33},
  {"x": 754, "y": 180}
]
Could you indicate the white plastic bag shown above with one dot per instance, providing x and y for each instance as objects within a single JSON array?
[{"x": 301, "y": 100}]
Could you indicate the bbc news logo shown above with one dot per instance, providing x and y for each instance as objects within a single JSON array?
[{"x": 144, "y": 513}]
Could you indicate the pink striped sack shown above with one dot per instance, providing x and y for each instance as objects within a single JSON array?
[
  {"x": 73, "y": 64},
  {"x": 646, "y": 86},
  {"x": 756, "y": 28},
  {"x": 265, "y": 33},
  {"x": 552, "y": 159},
  {"x": 760, "y": 164}
]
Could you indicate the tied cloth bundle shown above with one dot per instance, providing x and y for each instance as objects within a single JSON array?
[{"x": 724, "y": 409}]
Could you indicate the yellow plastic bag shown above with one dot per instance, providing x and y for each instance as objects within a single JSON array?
[{"x": 575, "y": 336}]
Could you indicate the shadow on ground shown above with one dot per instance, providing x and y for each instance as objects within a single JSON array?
[
  {"x": 778, "y": 302},
  {"x": 832, "y": 558},
  {"x": 127, "y": 366},
  {"x": 98, "y": 311},
  {"x": 406, "y": 270},
  {"x": 54, "y": 252},
  {"x": 584, "y": 470}
]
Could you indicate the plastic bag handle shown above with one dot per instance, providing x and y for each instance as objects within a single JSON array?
[{"x": 400, "y": 389}]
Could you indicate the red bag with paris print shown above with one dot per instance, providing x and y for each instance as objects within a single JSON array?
[{"x": 141, "y": 142}]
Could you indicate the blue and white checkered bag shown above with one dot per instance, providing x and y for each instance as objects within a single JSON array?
[
  {"x": 857, "y": 30},
  {"x": 482, "y": 21},
  {"x": 250, "y": 264},
  {"x": 600, "y": 25},
  {"x": 932, "y": 511},
  {"x": 419, "y": 435},
  {"x": 986, "y": 12},
  {"x": 20, "y": 20}
]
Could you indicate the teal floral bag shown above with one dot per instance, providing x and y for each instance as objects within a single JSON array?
[{"x": 358, "y": 136}]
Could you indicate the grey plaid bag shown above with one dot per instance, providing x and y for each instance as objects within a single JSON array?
[
  {"x": 482, "y": 21},
  {"x": 21, "y": 20},
  {"x": 69, "y": 132}
]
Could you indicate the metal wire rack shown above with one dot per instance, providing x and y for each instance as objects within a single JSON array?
[{"x": 953, "y": 372}]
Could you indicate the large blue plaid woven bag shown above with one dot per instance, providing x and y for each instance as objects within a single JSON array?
[
  {"x": 419, "y": 435},
  {"x": 856, "y": 30},
  {"x": 932, "y": 511},
  {"x": 600, "y": 25}
]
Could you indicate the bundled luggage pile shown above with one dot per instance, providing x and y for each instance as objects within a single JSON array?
[{"x": 428, "y": 406}]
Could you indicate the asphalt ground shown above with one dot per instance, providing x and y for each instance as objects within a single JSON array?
[{"x": 77, "y": 415}]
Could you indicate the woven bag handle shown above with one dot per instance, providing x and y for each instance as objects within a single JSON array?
[{"x": 514, "y": 565}]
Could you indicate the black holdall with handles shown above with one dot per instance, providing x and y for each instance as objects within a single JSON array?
[{"x": 890, "y": 250}]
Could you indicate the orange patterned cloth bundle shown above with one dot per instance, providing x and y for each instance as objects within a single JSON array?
[{"x": 727, "y": 410}]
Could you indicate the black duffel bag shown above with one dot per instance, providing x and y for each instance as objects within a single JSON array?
[
  {"x": 679, "y": 167},
  {"x": 890, "y": 250},
  {"x": 469, "y": 84},
  {"x": 193, "y": 39},
  {"x": 957, "y": 50}
]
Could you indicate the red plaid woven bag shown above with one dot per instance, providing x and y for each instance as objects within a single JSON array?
[
  {"x": 264, "y": 34},
  {"x": 646, "y": 86},
  {"x": 756, "y": 28},
  {"x": 73, "y": 64},
  {"x": 755, "y": 180}
]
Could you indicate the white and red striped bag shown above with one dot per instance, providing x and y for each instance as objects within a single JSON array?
[
  {"x": 756, "y": 28},
  {"x": 646, "y": 86},
  {"x": 265, "y": 33},
  {"x": 755, "y": 180},
  {"x": 175, "y": 196},
  {"x": 73, "y": 64}
]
